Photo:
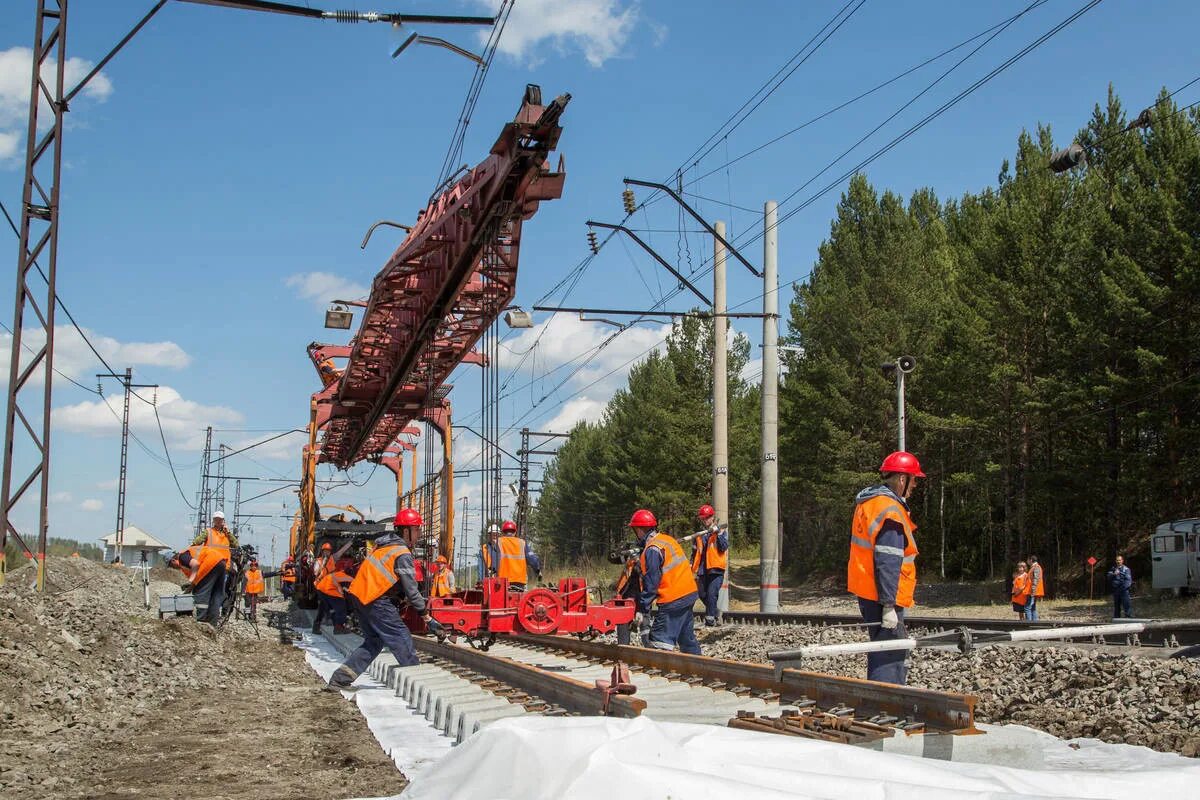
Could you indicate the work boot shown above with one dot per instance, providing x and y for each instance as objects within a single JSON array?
[
  {"x": 340, "y": 629},
  {"x": 710, "y": 622},
  {"x": 316, "y": 629},
  {"x": 341, "y": 680}
]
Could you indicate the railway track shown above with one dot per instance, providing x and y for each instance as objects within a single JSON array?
[
  {"x": 1183, "y": 634},
  {"x": 460, "y": 689}
]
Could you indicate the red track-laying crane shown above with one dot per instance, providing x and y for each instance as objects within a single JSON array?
[{"x": 442, "y": 288}]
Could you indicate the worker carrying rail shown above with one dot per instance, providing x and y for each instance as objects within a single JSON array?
[
  {"x": 882, "y": 570},
  {"x": 667, "y": 582},
  {"x": 506, "y": 555},
  {"x": 709, "y": 559},
  {"x": 388, "y": 565}
]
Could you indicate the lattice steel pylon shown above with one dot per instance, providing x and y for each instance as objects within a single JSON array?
[{"x": 30, "y": 468}]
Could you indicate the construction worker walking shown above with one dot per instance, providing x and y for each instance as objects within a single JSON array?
[
  {"x": 253, "y": 587},
  {"x": 667, "y": 582},
  {"x": 388, "y": 565},
  {"x": 710, "y": 555},
  {"x": 330, "y": 583},
  {"x": 506, "y": 555},
  {"x": 882, "y": 570},
  {"x": 442, "y": 584}
]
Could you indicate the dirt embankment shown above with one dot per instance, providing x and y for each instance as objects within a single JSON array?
[{"x": 100, "y": 699}]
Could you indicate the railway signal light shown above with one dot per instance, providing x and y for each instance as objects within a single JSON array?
[
  {"x": 629, "y": 201},
  {"x": 593, "y": 244}
]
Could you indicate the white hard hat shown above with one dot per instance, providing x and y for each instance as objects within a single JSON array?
[
  {"x": 493, "y": 528},
  {"x": 218, "y": 515}
]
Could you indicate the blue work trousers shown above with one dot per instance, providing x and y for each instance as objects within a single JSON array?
[
  {"x": 209, "y": 595},
  {"x": 710, "y": 590},
  {"x": 675, "y": 627},
  {"x": 330, "y": 607},
  {"x": 1031, "y": 608},
  {"x": 1122, "y": 604},
  {"x": 381, "y": 626},
  {"x": 888, "y": 666}
]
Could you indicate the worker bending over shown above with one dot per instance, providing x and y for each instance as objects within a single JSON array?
[
  {"x": 667, "y": 581},
  {"x": 506, "y": 555},
  {"x": 224, "y": 540},
  {"x": 204, "y": 568},
  {"x": 388, "y": 565},
  {"x": 709, "y": 558},
  {"x": 882, "y": 570},
  {"x": 330, "y": 580},
  {"x": 253, "y": 587}
]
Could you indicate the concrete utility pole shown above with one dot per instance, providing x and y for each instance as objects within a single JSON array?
[
  {"x": 720, "y": 455},
  {"x": 768, "y": 598}
]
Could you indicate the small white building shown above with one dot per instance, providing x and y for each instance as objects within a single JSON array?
[{"x": 135, "y": 541}]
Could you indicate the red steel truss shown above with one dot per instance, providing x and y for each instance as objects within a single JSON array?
[{"x": 442, "y": 288}]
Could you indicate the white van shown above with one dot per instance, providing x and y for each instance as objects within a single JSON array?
[{"x": 1176, "y": 556}]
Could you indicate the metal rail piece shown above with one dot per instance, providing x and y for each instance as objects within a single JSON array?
[
  {"x": 940, "y": 711},
  {"x": 573, "y": 695}
]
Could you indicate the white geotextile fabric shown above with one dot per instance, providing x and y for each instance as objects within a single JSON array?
[
  {"x": 408, "y": 738},
  {"x": 583, "y": 758}
]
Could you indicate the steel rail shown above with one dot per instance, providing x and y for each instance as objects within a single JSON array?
[
  {"x": 940, "y": 711},
  {"x": 1178, "y": 634},
  {"x": 570, "y": 694}
]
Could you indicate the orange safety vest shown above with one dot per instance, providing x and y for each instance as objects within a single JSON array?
[
  {"x": 208, "y": 557},
  {"x": 869, "y": 517},
  {"x": 677, "y": 578},
  {"x": 329, "y": 578},
  {"x": 441, "y": 584},
  {"x": 1040, "y": 589},
  {"x": 220, "y": 540},
  {"x": 254, "y": 582},
  {"x": 707, "y": 554},
  {"x": 288, "y": 574},
  {"x": 1020, "y": 588},
  {"x": 512, "y": 559},
  {"x": 377, "y": 574}
]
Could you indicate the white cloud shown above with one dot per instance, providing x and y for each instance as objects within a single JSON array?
[
  {"x": 599, "y": 29},
  {"x": 16, "y": 64},
  {"x": 61, "y": 497},
  {"x": 108, "y": 485},
  {"x": 322, "y": 287},
  {"x": 73, "y": 357},
  {"x": 91, "y": 504},
  {"x": 574, "y": 411},
  {"x": 183, "y": 421}
]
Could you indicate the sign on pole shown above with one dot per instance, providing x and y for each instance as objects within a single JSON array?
[{"x": 1091, "y": 576}]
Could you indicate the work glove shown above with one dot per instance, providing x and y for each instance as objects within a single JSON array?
[
  {"x": 434, "y": 626},
  {"x": 187, "y": 587},
  {"x": 890, "y": 619}
]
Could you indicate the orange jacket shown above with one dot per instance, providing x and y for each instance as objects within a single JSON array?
[
  {"x": 330, "y": 580},
  {"x": 207, "y": 557},
  {"x": 441, "y": 583},
  {"x": 707, "y": 554},
  {"x": 1020, "y": 588},
  {"x": 869, "y": 518},
  {"x": 377, "y": 573},
  {"x": 1037, "y": 579},
  {"x": 220, "y": 539},
  {"x": 512, "y": 559},
  {"x": 254, "y": 582},
  {"x": 677, "y": 578}
]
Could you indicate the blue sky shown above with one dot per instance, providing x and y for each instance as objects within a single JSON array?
[{"x": 220, "y": 175}]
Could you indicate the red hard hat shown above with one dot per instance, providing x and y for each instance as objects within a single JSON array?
[
  {"x": 327, "y": 546},
  {"x": 706, "y": 511},
  {"x": 643, "y": 518},
  {"x": 508, "y": 527},
  {"x": 442, "y": 560},
  {"x": 902, "y": 462},
  {"x": 408, "y": 516}
]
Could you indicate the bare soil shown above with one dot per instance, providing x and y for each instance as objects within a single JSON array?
[{"x": 100, "y": 699}]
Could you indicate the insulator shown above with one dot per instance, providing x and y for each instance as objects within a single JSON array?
[
  {"x": 592, "y": 243},
  {"x": 345, "y": 16},
  {"x": 1068, "y": 157},
  {"x": 630, "y": 203}
]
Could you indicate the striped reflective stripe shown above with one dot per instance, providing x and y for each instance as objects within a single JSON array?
[
  {"x": 858, "y": 540},
  {"x": 388, "y": 550},
  {"x": 675, "y": 560},
  {"x": 882, "y": 517},
  {"x": 910, "y": 559},
  {"x": 889, "y": 551}
]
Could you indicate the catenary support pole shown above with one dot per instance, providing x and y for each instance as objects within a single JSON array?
[
  {"x": 768, "y": 600},
  {"x": 720, "y": 454},
  {"x": 900, "y": 410}
]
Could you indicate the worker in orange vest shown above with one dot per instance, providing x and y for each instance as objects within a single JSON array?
[
  {"x": 882, "y": 570},
  {"x": 203, "y": 566},
  {"x": 443, "y": 578},
  {"x": 1021, "y": 589},
  {"x": 253, "y": 587},
  {"x": 710, "y": 555},
  {"x": 1037, "y": 588},
  {"x": 287, "y": 577},
  {"x": 389, "y": 565},
  {"x": 506, "y": 555},
  {"x": 330, "y": 582},
  {"x": 668, "y": 582},
  {"x": 329, "y": 372},
  {"x": 224, "y": 540}
]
